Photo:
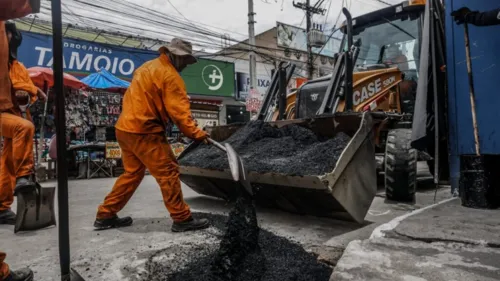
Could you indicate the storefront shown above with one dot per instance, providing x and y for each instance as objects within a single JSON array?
[
  {"x": 243, "y": 85},
  {"x": 206, "y": 111},
  {"x": 210, "y": 85},
  {"x": 236, "y": 114}
]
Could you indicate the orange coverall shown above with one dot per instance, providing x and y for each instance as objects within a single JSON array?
[
  {"x": 20, "y": 80},
  {"x": 156, "y": 94},
  {"x": 10, "y": 9}
]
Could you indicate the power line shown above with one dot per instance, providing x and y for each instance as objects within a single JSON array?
[
  {"x": 194, "y": 25},
  {"x": 196, "y": 42},
  {"x": 150, "y": 17},
  {"x": 183, "y": 28},
  {"x": 383, "y": 2},
  {"x": 327, "y": 13},
  {"x": 177, "y": 25},
  {"x": 115, "y": 26},
  {"x": 319, "y": 3},
  {"x": 148, "y": 12}
]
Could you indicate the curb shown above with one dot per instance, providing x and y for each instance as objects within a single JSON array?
[{"x": 379, "y": 231}]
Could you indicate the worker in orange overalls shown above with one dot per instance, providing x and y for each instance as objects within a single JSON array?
[
  {"x": 156, "y": 95},
  {"x": 13, "y": 127},
  {"x": 23, "y": 87}
]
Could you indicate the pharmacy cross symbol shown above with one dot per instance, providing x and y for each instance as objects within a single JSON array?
[{"x": 215, "y": 77}]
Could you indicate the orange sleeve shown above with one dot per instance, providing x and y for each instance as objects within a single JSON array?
[
  {"x": 21, "y": 80},
  {"x": 11, "y": 9},
  {"x": 178, "y": 107}
]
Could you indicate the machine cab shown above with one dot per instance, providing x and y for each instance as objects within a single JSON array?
[
  {"x": 391, "y": 37},
  {"x": 389, "y": 41}
]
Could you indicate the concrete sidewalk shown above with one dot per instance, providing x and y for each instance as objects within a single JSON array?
[{"x": 444, "y": 242}]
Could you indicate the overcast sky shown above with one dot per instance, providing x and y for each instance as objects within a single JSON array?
[
  {"x": 220, "y": 16},
  {"x": 232, "y": 14}
]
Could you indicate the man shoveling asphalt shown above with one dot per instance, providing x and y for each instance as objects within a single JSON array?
[{"x": 156, "y": 95}]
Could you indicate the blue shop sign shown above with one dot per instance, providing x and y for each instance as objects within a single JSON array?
[{"x": 83, "y": 57}]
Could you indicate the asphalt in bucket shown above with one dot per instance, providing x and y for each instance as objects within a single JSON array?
[
  {"x": 292, "y": 150},
  {"x": 245, "y": 253}
]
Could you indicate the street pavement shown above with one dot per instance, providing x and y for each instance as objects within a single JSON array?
[
  {"x": 121, "y": 254},
  {"x": 446, "y": 242}
]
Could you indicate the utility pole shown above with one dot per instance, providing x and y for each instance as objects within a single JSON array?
[
  {"x": 251, "y": 41},
  {"x": 310, "y": 66},
  {"x": 310, "y": 10}
]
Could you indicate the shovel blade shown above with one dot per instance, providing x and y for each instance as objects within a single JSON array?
[
  {"x": 35, "y": 209},
  {"x": 73, "y": 276},
  {"x": 238, "y": 169}
]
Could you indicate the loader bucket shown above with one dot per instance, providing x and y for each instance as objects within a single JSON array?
[
  {"x": 344, "y": 193},
  {"x": 35, "y": 209}
]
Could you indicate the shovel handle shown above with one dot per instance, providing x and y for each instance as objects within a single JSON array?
[
  {"x": 471, "y": 89},
  {"x": 216, "y": 144}
]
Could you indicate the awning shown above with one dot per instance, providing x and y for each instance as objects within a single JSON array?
[
  {"x": 212, "y": 102},
  {"x": 42, "y": 76},
  {"x": 103, "y": 79}
]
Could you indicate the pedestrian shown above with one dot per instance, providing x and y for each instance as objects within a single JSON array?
[
  {"x": 53, "y": 147},
  {"x": 22, "y": 87},
  {"x": 157, "y": 94},
  {"x": 12, "y": 127},
  {"x": 477, "y": 18}
]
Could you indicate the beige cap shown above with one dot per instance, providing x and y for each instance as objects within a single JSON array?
[{"x": 180, "y": 47}]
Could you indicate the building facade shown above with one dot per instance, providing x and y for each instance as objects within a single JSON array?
[
  {"x": 217, "y": 85},
  {"x": 272, "y": 48}
]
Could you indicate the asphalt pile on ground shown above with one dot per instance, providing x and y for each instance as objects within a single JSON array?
[
  {"x": 245, "y": 253},
  {"x": 239, "y": 256},
  {"x": 291, "y": 150}
]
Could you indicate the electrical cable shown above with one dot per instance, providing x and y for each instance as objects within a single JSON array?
[
  {"x": 175, "y": 26},
  {"x": 149, "y": 12},
  {"x": 179, "y": 26},
  {"x": 327, "y": 13}
]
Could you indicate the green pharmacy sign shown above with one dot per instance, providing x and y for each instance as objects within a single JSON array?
[{"x": 210, "y": 77}]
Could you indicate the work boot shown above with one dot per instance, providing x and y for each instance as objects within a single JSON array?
[
  {"x": 114, "y": 222},
  {"x": 24, "y": 274},
  {"x": 190, "y": 224},
  {"x": 7, "y": 217},
  {"x": 24, "y": 184}
]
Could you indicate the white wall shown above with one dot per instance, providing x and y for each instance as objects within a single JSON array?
[
  {"x": 262, "y": 69},
  {"x": 242, "y": 65}
]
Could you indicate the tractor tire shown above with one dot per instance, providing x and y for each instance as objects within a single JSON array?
[{"x": 400, "y": 166}]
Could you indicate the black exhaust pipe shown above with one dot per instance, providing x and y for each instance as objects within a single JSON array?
[{"x": 348, "y": 62}]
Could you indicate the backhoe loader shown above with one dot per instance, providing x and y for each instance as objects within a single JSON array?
[
  {"x": 383, "y": 63},
  {"x": 369, "y": 96}
]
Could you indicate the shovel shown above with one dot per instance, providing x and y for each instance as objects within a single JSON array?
[
  {"x": 475, "y": 188},
  {"x": 35, "y": 206},
  {"x": 238, "y": 170}
]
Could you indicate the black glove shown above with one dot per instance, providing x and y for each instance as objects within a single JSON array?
[{"x": 463, "y": 14}]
